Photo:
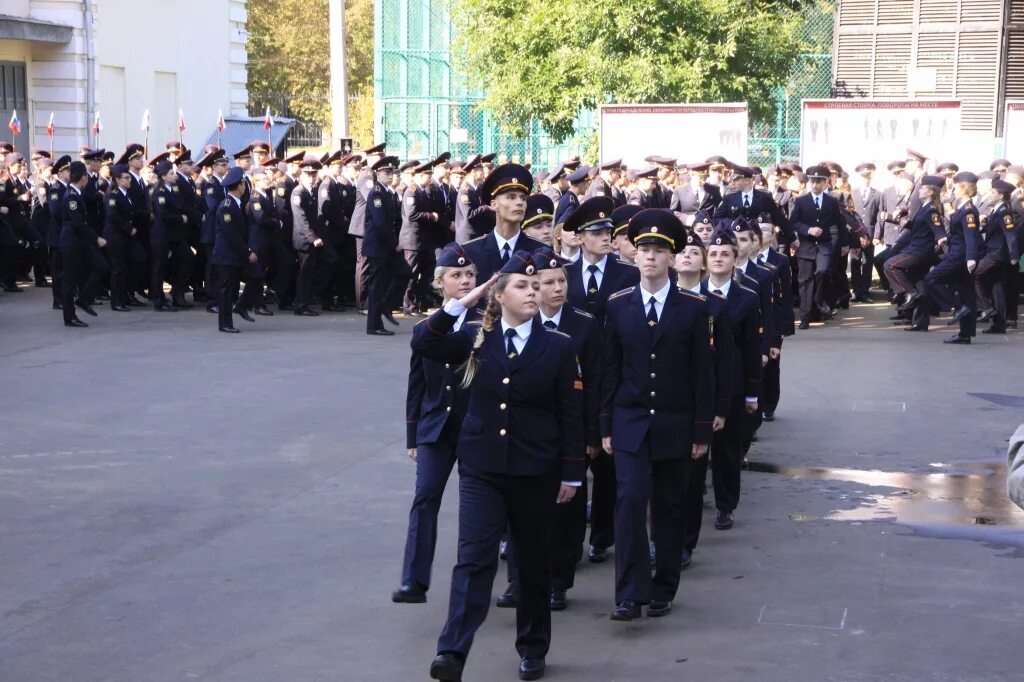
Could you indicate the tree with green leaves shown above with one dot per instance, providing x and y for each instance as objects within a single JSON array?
[{"x": 544, "y": 60}]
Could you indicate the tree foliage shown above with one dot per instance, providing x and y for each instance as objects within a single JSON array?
[
  {"x": 548, "y": 60},
  {"x": 289, "y": 56}
]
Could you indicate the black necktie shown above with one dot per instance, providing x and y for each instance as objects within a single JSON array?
[
  {"x": 746, "y": 201},
  {"x": 652, "y": 314},
  {"x": 717, "y": 292},
  {"x": 511, "y": 347},
  {"x": 504, "y": 254},
  {"x": 817, "y": 203},
  {"x": 592, "y": 284},
  {"x": 550, "y": 324}
]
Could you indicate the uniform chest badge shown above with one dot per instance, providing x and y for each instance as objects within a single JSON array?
[
  {"x": 42, "y": 191},
  {"x": 73, "y": 205},
  {"x": 257, "y": 206},
  {"x": 324, "y": 193},
  {"x": 280, "y": 191},
  {"x": 936, "y": 220},
  {"x": 161, "y": 200},
  {"x": 112, "y": 202},
  {"x": 209, "y": 190},
  {"x": 1008, "y": 221},
  {"x": 410, "y": 200},
  {"x": 54, "y": 196},
  {"x": 227, "y": 217},
  {"x": 464, "y": 198}
]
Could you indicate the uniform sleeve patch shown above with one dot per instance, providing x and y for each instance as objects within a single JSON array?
[
  {"x": 209, "y": 190},
  {"x": 161, "y": 200},
  {"x": 227, "y": 217},
  {"x": 464, "y": 198},
  {"x": 280, "y": 191},
  {"x": 73, "y": 205},
  {"x": 54, "y": 196},
  {"x": 376, "y": 202},
  {"x": 324, "y": 193},
  {"x": 112, "y": 202},
  {"x": 1008, "y": 221},
  {"x": 174, "y": 189},
  {"x": 369, "y": 184},
  {"x": 42, "y": 191},
  {"x": 972, "y": 224},
  {"x": 410, "y": 200},
  {"x": 257, "y": 206},
  {"x": 936, "y": 220}
]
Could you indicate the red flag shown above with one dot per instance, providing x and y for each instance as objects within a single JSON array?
[
  {"x": 96, "y": 125},
  {"x": 15, "y": 124},
  {"x": 268, "y": 120},
  {"x": 50, "y": 127},
  {"x": 221, "y": 124},
  {"x": 181, "y": 121}
]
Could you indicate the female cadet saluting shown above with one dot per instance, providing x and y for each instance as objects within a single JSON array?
[
  {"x": 435, "y": 406},
  {"x": 523, "y": 433}
]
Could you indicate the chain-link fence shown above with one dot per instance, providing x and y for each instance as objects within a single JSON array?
[{"x": 421, "y": 109}]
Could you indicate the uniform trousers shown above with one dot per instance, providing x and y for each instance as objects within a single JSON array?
[
  {"x": 662, "y": 484},
  {"x": 602, "y": 501},
  {"x": 309, "y": 260},
  {"x": 1013, "y": 284},
  {"x": 990, "y": 286},
  {"x": 56, "y": 274},
  {"x": 434, "y": 462},
  {"x": 420, "y": 290},
  {"x": 811, "y": 276},
  {"x": 567, "y": 536},
  {"x": 79, "y": 266},
  {"x": 727, "y": 456},
  {"x": 771, "y": 385},
  {"x": 860, "y": 271},
  {"x": 950, "y": 271},
  {"x": 386, "y": 280},
  {"x": 879, "y": 263},
  {"x": 171, "y": 260},
  {"x": 488, "y": 504},
  {"x": 361, "y": 285},
  {"x": 210, "y": 276},
  {"x": 693, "y": 518},
  {"x": 228, "y": 277},
  {"x": 119, "y": 254},
  {"x": 906, "y": 271},
  {"x": 279, "y": 271}
]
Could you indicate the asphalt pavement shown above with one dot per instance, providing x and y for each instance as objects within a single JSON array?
[{"x": 180, "y": 504}]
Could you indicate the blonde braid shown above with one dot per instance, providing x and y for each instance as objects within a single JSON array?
[
  {"x": 556, "y": 239},
  {"x": 492, "y": 313}
]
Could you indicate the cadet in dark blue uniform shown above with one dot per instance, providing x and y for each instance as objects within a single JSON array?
[
  {"x": 624, "y": 249},
  {"x": 421, "y": 235},
  {"x": 172, "y": 257},
  {"x": 591, "y": 280},
  {"x": 75, "y": 236},
  {"x": 539, "y": 214},
  {"x": 960, "y": 259},
  {"x": 120, "y": 234},
  {"x": 1001, "y": 250},
  {"x": 523, "y": 433},
  {"x": 508, "y": 185},
  {"x": 906, "y": 270},
  {"x": 569, "y": 201},
  {"x": 656, "y": 413},
  {"x": 274, "y": 261},
  {"x": 817, "y": 219},
  {"x": 307, "y": 236},
  {"x": 387, "y": 273},
  {"x": 748, "y": 202},
  {"x": 771, "y": 388},
  {"x": 435, "y": 406},
  {"x": 55, "y": 207},
  {"x": 231, "y": 253}
]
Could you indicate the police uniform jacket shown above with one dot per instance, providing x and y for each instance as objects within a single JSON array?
[
  {"x": 344, "y": 197},
  {"x": 231, "y": 248},
  {"x": 39, "y": 212},
  {"x": 583, "y": 329},
  {"x": 75, "y": 232},
  {"x": 964, "y": 234},
  {"x": 471, "y": 218},
  {"x": 9, "y": 193},
  {"x": 599, "y": 188},
  {"x": 118, "y": 224},
  {"x": 435, "y": 402},
  {"x": 658, "y": 381},
  {"x": 780, "y": 262},
  {"x": 617, "y": 276},
  {"x": 190, "y": 203},
  {"x": 925, "y": 230},
  {"x": 1000, "y": 233},
  {"x": 443, "y": 205},
  {"x": 638, "y": 197},
  {"x": 365, "y": 183},
  {"x": 806, "y": 215},
  {"x": 483, "y": 251},
  {"x": 139, "y": 194},
  {"x": 283, "y": 202},
  {"x": 420, "y": 230},
  {"x": 331, "y": 211},
  {"x": 380, "y": 239},
  {"x": 55, "y": 206},
  {"x": 214, "y": 197},
  {"x": 305, "y": 228},
  {"x": 731, "y": 208},
  {"x": 763, "y": 282},
  {"x": 524, "y": 416},
  {"x": 94, "y": 209},
  {"x": 170, "y": 221},
  {"x": 740, "y": 310},
  {"x": 685, "y": 199},
  {"x": 263, "y": 223}
]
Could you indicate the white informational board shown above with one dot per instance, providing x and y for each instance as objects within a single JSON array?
[
  {"x": 854, "y": 131},
  {"x": 1013, "y": 131},
  {"x": 688, "y": 132}
]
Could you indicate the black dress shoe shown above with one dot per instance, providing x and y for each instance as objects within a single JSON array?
[
  {"x": 57, "y": 305},
  {"x": 597, "y": 555},
  {"x": 687, "y": 558},
  {"x": 228, "y": 330},
  {"x": 986, "y": 315},
  {"x": 531, "y": 668},
  {"x": 213, "y": 308},
  {"x": 994, "y": 330},
  {"x": 1011, "y": 324},
  {"x": 306, "y": 312},
  {"x": 243, "y": 313},
  {"x": 163, "y": 307},
  {"x": 509, "y": 599},
  {"x": 447, "y": 667},
  {"x": 958, "y": 340},
  {"x": 120, "y": 308},
  {"x": 657, "y": 609},
  {"x": 409, "y": 593},
  {"x": 75, "y": 322},
  {"x": 285, "y": 307},
  {"x": 768, "y": 416},
  {"x": 558, "y": 600},
  {"x": 961, "y": 313},
  {"x": 897, "y": 318},
  {"x": 264, "y": 310},
  {"x": 380, "y": 332},
  {"x": 12, "y": 289},
  {"x": 86, "y": 308},
  {"x": 916, "y": 328},
  {"x": 43, "y": 285},
  {"x": 804, "y": 324},
  {"x": 390, "y": 317},
  {"x": 911, "y": 301},
  {"x": 723, "y": 520},
  {"x": 626, "y": 610}
]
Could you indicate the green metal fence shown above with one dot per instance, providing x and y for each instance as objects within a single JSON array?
[{"x": 421, "y": 109}]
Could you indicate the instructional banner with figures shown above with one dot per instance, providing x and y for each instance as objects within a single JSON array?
[
  {"x": 1013, "y": 131},
  {"x": 689, "y": 132},
  {"x": 853, "y": 131}
]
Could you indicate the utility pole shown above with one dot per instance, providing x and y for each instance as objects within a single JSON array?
[{"x": 339, "y": 74}]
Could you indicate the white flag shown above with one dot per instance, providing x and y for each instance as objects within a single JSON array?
[{"x": 145, "y": 121}]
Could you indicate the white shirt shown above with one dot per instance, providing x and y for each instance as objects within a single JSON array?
[
  {"x": 511, "y": 243},
  {"x": 573, "y": 256},
  {"x": 816, "y": 198},
  {"x": 659, "y": 297},
  {"x": 455, "y": 308},
  {"x": 724, "y": 288},
  {"x": 556, "y": 318},
  {"x": 462, "y": 319},
  {"x": 598, "y": 274},
  {"x": 763, "y": 255},
  {"x": 521, "y": 337}
]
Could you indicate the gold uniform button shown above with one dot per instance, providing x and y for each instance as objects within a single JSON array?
[
  {"x": 652, "y": 375},
  {"x": 448, "y": 409},
  {"x": 652, "y": 411},
  {"x": 447, "y": 388},
  {"x": 447, "y": 366},
  {"x": 505, "y": 380},
  {"x": 652, "y": 356},
  {"x": 652, "y": 394},
  {"x": 502, "y": 406},
  {"x": 502, "y": 432}
]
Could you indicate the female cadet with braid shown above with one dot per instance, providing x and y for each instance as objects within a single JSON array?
[{"x": 522, "y": 434}]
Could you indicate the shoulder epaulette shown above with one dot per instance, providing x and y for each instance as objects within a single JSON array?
[
  {"x": 766, "y": 265},
  {"x": 620, "y": 294},
  {"x": 583, "y": 313},
  {"x": 747, "y": 289},
  {"x": 632, "y": 265},
  {"x": 473, "y": 323},
  {"x": 476, "y": 239},
  {"x": 420, "y": 322},
  {"x": 691, "y": 294},
  {"x": 555, "y": 331}
]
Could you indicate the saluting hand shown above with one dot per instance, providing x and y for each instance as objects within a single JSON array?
[{"x": 473, "y": 297}]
